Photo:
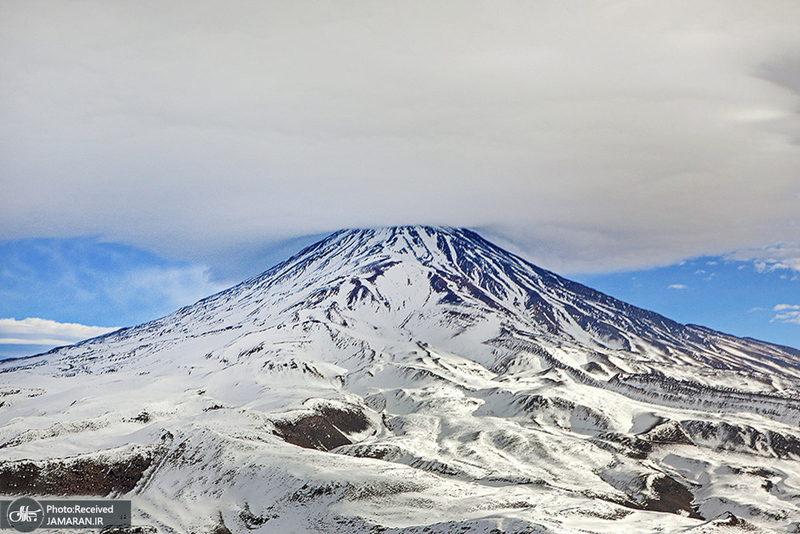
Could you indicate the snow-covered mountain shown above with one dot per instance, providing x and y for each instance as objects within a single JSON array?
[{"x": 413, "y": 379}]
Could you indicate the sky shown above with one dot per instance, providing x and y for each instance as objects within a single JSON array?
[{"x": 152, "y": 153}]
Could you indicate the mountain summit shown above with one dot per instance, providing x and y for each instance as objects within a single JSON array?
[{"x": 412, "y": 379}]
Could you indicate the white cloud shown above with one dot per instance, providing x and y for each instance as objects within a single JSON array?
[
  {"x": 788, "y": 317},
  {"x": 778, "y": 257},
  {"x": 789, "y": 313},
  {"x": 595, "y": 135},
  {"x": 35, "y": 331},
  {"x": 678, "y": 286}
]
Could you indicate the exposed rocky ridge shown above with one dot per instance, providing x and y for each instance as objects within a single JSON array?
[{"x": 97, "y": 474}]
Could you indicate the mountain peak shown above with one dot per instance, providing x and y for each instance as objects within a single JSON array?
[
  {"x": 384, "y": 374},
  {"x": 451, "y": 286},
  {"x": 424, "y": 242}
]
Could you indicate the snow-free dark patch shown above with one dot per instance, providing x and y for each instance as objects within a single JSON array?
[
  {"x": 730, "y": 520},
  {"x": 76, "y": 476},
  {"x": 672, "y": 496},
  {"x": 324, "y": 430},
  {"x": 655, "y": 492}
]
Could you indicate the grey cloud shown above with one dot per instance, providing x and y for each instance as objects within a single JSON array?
[
  {"x": 590, "y": 135},
  {"x": 784, "y": 71}
]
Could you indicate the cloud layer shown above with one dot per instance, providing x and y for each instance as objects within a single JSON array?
[
  {"x": 591, "y": 135},
  {"x": 35, "y": 331}
]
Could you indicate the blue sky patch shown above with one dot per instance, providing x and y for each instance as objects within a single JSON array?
[
  {"x": 735, "y": 297},
  {"x": 82, "y": 281}
]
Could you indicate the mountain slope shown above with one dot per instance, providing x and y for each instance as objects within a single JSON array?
[{"x": 410, "y": 378}]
